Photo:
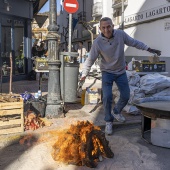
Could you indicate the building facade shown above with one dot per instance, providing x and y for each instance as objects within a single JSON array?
[
  {"x": 80, "y": 22},
  {"x": 147, "y": 21},
  {"x": 84, "y": 22}
]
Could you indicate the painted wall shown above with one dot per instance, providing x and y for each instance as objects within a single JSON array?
[{"x": 153, "y": 33}]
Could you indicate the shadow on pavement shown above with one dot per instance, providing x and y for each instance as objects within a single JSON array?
[{"x": 14, "y": 150}]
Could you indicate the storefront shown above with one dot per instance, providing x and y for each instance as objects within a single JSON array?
[
  {"x": 12, "y": 40},
  {"x": 16, "y": 36}
]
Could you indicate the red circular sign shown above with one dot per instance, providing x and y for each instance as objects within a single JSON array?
[{"x": 71, "y": 6}]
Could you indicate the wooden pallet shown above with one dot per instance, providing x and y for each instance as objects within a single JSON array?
[{"x": 11, "y": 117}]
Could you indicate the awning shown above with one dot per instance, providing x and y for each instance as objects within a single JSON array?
[{"x": 37, "y": 5}]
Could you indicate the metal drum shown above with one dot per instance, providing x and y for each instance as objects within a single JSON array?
[
  {"x": 69, "y": 76},
  {"x": 155, "y": 120}
]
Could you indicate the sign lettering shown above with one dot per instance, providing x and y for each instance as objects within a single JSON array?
[{"x": 151, "y": 14}]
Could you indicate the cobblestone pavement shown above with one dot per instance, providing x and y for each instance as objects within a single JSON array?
[
  {"x": 33, "y": 86},
  {"x": 25, "y": 85},
  {"x": 74, "y": 111},
  {"x": 94, "y": 113}
]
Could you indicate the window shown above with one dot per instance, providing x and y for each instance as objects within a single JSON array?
[
  {"x": 5, "y": 49},
  {"x": 19, "y": 50},
  {"x": 117, "y": 17},
  {"x": 12, "y": 33}
]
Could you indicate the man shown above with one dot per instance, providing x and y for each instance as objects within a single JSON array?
[
  {"x": 82, "y": 52},
  {"x": 110, "y": 45},
  {"x": 35, "y": 47}
]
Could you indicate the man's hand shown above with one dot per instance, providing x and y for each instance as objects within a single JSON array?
[
  {"x": 81, "y": 82},
  {"x": 154, "y": 51}
]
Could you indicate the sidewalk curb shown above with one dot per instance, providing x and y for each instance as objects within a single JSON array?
[{"x": 116, "y": 124}]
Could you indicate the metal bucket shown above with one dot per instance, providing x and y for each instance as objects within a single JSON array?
[{"x": 36, "y": 106}]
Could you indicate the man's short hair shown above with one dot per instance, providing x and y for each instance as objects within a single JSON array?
[
  {"x": 105, "y": 19},
  {"x": 81, "y": 42}
]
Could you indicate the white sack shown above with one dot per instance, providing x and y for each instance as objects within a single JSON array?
[
  {"x": 133, "y": 89},
  {"x": 153, "y": 83},
  {"x": 165, "y": 92},
  {"x": 133, "y": 78},
  {"x": 131, "y": 109}
]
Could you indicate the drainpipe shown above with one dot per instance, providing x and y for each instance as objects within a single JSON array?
[
  {"x": 122, "y": 18},
  {"x": 91, "y": 36},
  {"x": 86, "y": 26}
]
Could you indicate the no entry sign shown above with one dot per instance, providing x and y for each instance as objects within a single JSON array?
[{"x": 71, "y": 6}]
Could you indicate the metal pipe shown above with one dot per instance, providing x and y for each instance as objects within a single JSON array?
[
  {"x": 122, "y": 18},
  {"x": 63, "y": 78},
  {"x": 91, "y": 36},
  {"x": 10, "y": 82},
  {"x": 70, "y": 28}
]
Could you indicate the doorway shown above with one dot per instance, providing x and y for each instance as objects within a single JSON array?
[{"x": 12, "y": 41}]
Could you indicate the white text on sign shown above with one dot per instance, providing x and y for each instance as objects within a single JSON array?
[{"x": 71, "y": 5}]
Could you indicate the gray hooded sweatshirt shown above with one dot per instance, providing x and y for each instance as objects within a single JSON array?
[{"x": 111, "y": 52}]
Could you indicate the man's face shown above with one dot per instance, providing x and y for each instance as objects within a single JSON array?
[
  {"x": 80, "y": 44},
  {"x": 106, "y": 27}
]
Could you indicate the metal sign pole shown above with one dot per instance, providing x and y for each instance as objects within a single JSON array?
[{"x": 70, "y": 28}]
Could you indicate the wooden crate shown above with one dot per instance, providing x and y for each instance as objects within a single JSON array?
[{"x": 11, "y": 117}]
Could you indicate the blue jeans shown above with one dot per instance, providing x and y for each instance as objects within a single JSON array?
[
  {"x": 123, "y": 87},
  {"x": 82, "y": 60}
]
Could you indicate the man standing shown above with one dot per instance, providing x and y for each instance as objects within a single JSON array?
[
  {"x": 82, "y": 52},
  {"x": 110, "y": 45},
  {"x": 35, "y": 47}
]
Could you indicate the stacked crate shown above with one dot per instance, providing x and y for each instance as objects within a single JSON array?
[{"x": 11, "y": 117}]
